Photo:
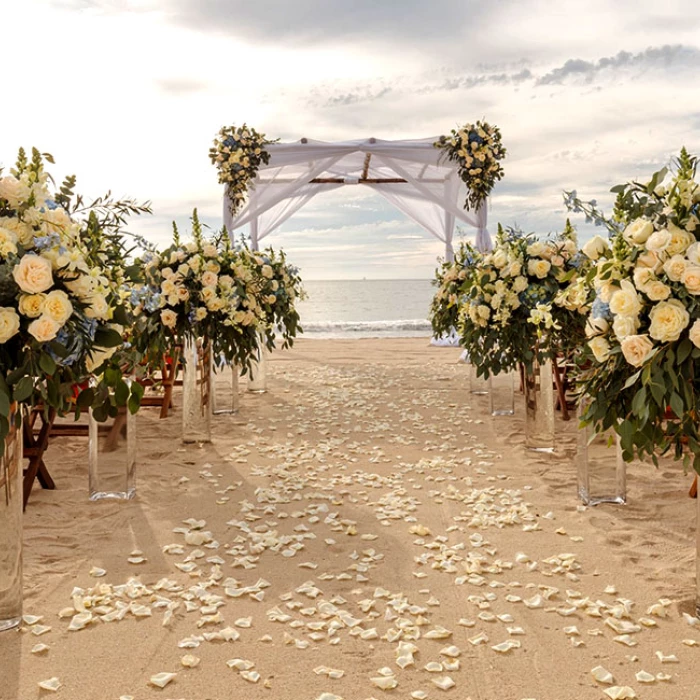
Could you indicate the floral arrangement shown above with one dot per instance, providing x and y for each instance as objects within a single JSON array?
[
  {"x": 478, "y": 150},
  {"x": 453, "y": 280},
  {"x": 277, "y": 289},
  {"x": 237, "y": 153},
  {"x": 519, "y": 304},
  {"x": 60, "y": 308},
  {"x": 201, "y": 288},
  {"x": 644, "y": 324}
]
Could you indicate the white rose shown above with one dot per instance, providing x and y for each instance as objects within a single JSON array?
[
  {"x": 8, "y": 242},
  {"x": 691, "y": 278},
  {"x": 167, "y": 286},
  {"x": 31, "y": 305},
  {"x": 183, "y": 270},
  {"x": 207, "y": 294},
  {"x": 659, "y": 240},
  {"x": 483, "y": 311},
  {"x": 200, "y": 313},
  {"x": 638, "y": 231},
  {"x": 668, "y": 319},
  {"x": 605, "y": 290},
  {"x": 538, "y": 267},
  {"x": 267, "y": 272},
  {"x": 9, "y": 323},
  {"x": 594, "y": 248},
  {"x": 600, "y": 348},
  {"x": 212, "y": 266},
  {"x": 515, "y": 268},
  {"x": 215, "y": 304},
  {"x": 58, "y": 306},
  {"x": 694, "y": 334},
  {"x": 624, "y": 326},
  {"x": 625, "y": 301},
  {"x": 520, "y": 284},
  {"x": 97, "y": 307},
  {"x": 500, "y": 259},
  {"x": 642, "y": 276},
  {"x": 83, "y": 286},
  {"x": 637, "y": 349},
  {"x": 693, "y": 253},
  {"x": 536, "y": 249},
  {"x": 649, "y": 259},
  {"x": 33, "y": 274},
  {"x": 44, "y": 328},
  {"x": 209, "y": 250},
  {"x": 596, "y": 326},
  {"x": 674, "y": 267},
  {"x": 182, "y": 293},
  {"x": 168, "y": 318},
  {"x": 226, "y": 282}
]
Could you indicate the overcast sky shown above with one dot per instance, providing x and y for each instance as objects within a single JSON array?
[{"x": 128, "y": 94}]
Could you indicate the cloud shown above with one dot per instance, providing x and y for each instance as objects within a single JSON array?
[
  {"x": 180, "y": 86},
  {"x": 663, "y": 57}
]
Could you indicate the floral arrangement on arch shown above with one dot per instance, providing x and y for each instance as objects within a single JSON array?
[
  {"x": 198, "y": 289},
  {"x": 477, "y": 149},
  {"x": 452, "y": 280},
  {"x": 237, "y": 153},
  {"x": 644, "y": 324},
  {"x": 522, "y": 302},
  {"x": 61, "y": 314}
]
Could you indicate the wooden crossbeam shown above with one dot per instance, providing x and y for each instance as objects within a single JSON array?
[
  {"x": 365, "y": 167},
  {"x": 361, "y": 181}
]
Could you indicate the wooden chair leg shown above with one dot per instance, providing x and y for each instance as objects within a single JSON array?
[{"x": 693, "y": 493}]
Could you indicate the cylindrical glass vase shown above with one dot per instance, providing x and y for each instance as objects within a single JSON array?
[
  {"x": 196, "y": 392},
  {"x": 477, "y": 385},
  {"x": 112, "y": 456},
  {"x": 539, "y": 407},
  {"x": 697, "y": 557},
  {"x": 257, "y": 375},
  {"x": 224, "y": 389},
  {"x": 602, "y": 473},
  {"x": 11, "y": 529},
  {"x": 502, "y": 394}
]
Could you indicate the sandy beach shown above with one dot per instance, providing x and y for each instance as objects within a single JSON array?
[{"x": 365, "y": 509}]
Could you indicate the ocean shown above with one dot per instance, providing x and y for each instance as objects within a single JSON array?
[{"x": 366, "y": 308}]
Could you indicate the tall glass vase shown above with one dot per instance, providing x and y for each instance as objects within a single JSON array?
[
  {"x": 11, "y": 529},
  {"x": 502, "y": 394},
  {"x": 602, "y": 473},
  {"x": 196, "y": 392},
  {"x": 257, "y": 375},
  {"x": 539, "y": 407},
  {"x": 224, "y": 389},
  {"x": 112, "y": 456},
  {"x": 697, "y": 557},
  {"x": 477, "y": 385}
]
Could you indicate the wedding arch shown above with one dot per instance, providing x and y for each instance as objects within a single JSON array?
[{"x": 412, "y": 174}]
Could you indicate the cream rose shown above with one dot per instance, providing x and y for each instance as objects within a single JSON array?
[
  {"x": 691, "y": 278},
  {"x": 668, "y": 319},
  {"x": 680, "y": 240},
  {"x": 638, "y": 231},
  {"x": 58, "y": 306},
  {"x": 44, "y": 328},
  {"x": 637, "y": 349},
  {"x": 536, "y": 249},
  {"x": 31, "y": 305},
  {"x": 200, "y": 313},
  {"x": 674, "y": 267},
  {"x": 9, "y": 323},
  {"x": 168, "y": 318},
  {"x": 594, "y": 248},
  {"x": 694, "y": 334},
  {"x": 515, "y": 268},
  {"x": 500, "y": 259},
  {"x": 209, "y": 279},
  {"x": 520, "y": 284},
  {"x": 215, "y": 304},
  {"x": 267, "y": 272},
  {"x": 97, "y": 307},
  {"x": 656, "y": 290},
  {"x": 624, "y": 326},
  {"x": 649, "y": 259},
  {"x": 212, "y": 266},
  {"x": 600, "y": 348},
  {"x": 271, "y": 298},
  {"x": 33, "y": 274},
  {"x": 625, "y": 301},
  {"x": 659, "y": 240},
  {"x": 182, "y": 294},
  {"x": 207, "y": 294},
  {"x": 538, "y": 267},
  {"x": 693, "y": 253},
  {"x": 642, "y": 276},
  {"x": 209, "y": 250},
  {"x": 83, "y": 287},
  {"x": 8, "y": 242}
]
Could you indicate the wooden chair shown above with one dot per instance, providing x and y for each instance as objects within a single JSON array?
[
  {"x": 35, "y": 443},
  {"x": 168, "y": 373}
]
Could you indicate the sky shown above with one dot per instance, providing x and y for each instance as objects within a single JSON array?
[{"x": 129, "y": 94}]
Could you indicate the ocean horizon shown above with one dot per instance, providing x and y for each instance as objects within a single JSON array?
[{"x": 366, "y": 308}]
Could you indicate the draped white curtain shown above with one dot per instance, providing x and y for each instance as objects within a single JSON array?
[{"x": 432, "y": 194}]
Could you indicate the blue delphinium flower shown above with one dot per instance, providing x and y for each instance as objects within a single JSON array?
[{"x": 600, "y": 309}]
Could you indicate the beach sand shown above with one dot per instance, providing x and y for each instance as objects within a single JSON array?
[{"x": 366, "y": 490}]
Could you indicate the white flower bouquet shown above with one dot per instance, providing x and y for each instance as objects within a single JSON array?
[{"x": 644, "y": 325}]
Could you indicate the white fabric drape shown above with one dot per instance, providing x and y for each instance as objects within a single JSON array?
[{"x": 432, "y": 195}]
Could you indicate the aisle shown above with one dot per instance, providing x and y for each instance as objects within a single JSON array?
[{"x": 363, "y": 520}]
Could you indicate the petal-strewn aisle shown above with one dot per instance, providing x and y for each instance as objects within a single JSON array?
[{"x": 362, "y": 520}]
